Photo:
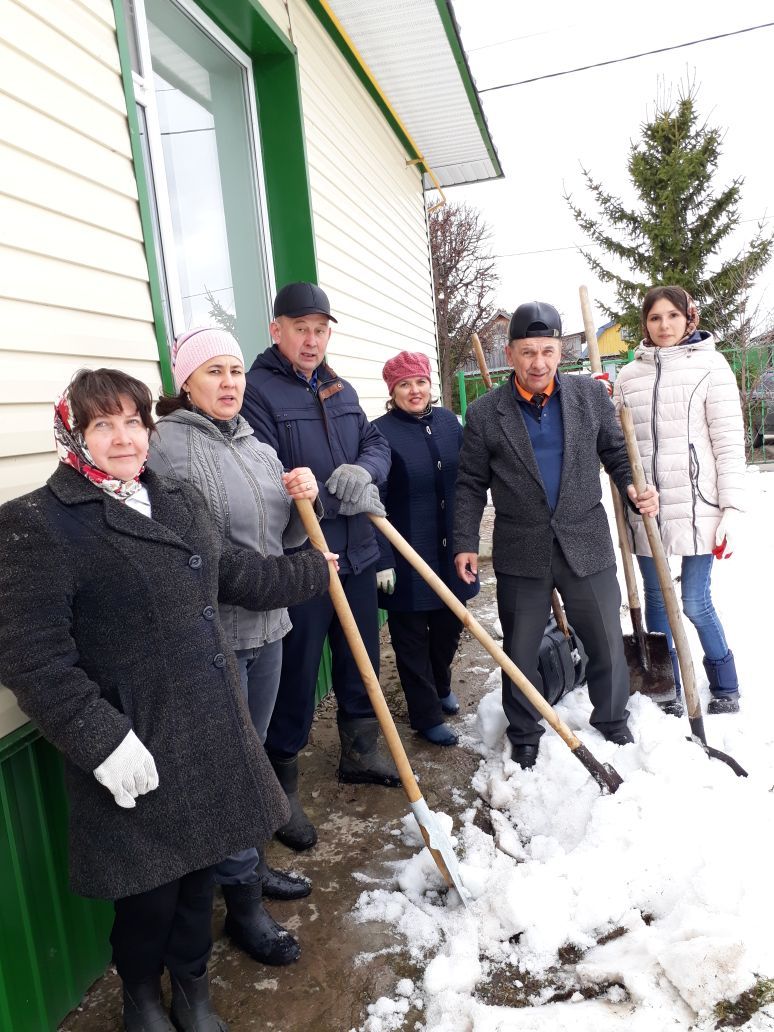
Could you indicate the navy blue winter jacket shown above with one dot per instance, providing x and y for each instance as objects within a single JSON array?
[
  {"x": 320, "y": 428},
  {"x": 419, "y": 498}
]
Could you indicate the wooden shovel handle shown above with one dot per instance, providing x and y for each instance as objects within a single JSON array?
[
  {"x": 664, "y": 580},
  {"x": 479, "y": 353},
  {"x": 627, "y": 559},
  {"x": 360, "y": 653},
  {"x": 446, "y": 595},
  {"x": 595, "y": 361}
]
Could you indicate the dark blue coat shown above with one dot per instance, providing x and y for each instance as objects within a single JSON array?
[
  {"x": 419, "y": 498},
  {"x": 322, "y": 429}
]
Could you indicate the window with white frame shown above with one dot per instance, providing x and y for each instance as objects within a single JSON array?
[{"x": 196, "y": 109}]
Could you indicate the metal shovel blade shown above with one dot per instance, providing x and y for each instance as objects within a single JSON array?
[{"x": 650, "y": 666}]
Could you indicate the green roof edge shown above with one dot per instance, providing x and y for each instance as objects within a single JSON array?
[{"x": 452, "y": 29}]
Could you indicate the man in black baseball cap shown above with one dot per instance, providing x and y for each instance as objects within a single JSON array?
[
  {"x": 296, "y": 300},
  {"x": 297, "y": 404},
  {"x": 537, "y": 442},
  {"x": 535, "y": 319}
]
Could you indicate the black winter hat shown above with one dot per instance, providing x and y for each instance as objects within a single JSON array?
[
  {"x": 297, "y": 299},
  {"x": 535, "y": 319}
]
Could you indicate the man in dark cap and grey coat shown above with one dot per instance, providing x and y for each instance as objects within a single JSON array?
[{"x": 537, "y": 442}]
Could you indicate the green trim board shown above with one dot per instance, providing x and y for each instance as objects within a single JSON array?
[
  {"x": 281, "y": 126},
  {"x": 144, "y": 201},
  {"x": 449, "y": 21}
]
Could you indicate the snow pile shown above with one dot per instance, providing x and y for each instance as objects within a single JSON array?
[{"x": 663, "y": 890}]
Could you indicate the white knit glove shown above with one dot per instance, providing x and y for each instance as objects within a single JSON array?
[
  {"x": 128, "y": 772},
  {"x": 385, "y": 581},
  {"x": 368, "y": 501},
  {"x": 727, "y": 534},
  {"x": 348, "y": 482}
]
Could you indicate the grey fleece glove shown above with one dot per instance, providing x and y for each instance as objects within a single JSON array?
[
  {"x": 369, "y": 501},
  {"x": 348, "y": 482}
]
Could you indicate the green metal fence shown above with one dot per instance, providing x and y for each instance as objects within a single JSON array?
[{"x": 754, "y": 369}]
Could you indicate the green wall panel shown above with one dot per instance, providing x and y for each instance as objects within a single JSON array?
[{"x": 53, "y": 944}]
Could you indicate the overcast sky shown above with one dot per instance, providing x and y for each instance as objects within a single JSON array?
[{"x": 544, "y": 131}]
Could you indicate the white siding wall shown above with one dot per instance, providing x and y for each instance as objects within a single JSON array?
[
  {"x": 73, "y": 277},
  {"x": 369, "y": 216}
]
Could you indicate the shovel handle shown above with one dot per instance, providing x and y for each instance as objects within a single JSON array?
[
  {"x": 595, "y": 361},
  {"x": 665, "y": 582},
  {"x": 627, "y": 560},
  {"x": 604, "y": 775},
  {"x": 373, "y": 688},
  {"x": 478, "y": 351},
  {"x": 447, "y": 595},
  {"x": 360, "y": 653}
]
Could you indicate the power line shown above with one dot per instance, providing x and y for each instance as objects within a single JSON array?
[
  {"x": 515, "y": 39},
  {"x": 578, "y": 247},
  {"x": 631, "y": 57}
]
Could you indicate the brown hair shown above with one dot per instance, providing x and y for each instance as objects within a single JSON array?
[
  {"x": 97, "y": 392},
  {"x": 675, "y": 295},
  {"x": 169, "y": 403}
]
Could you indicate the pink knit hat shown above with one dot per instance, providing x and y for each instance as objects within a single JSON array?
[
  {"x": 404, "y": 366},
  {"x": 194, "y": 347}
]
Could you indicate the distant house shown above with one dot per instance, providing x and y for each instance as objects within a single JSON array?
[
  {"x": 610, "y": 339},
  {"x": 572, "y": 346},
  {"x": 494, "y": 334}
]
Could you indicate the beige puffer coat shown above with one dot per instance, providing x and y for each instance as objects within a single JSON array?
[{"x": 688, "y": 419}]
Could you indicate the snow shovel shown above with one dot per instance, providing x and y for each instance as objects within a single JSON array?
[
  {"x": 605, "y": 776},
  {"x": 647, "y": 653},
  {"x": 436, "y": 839},
  {"x": 695, "y": 717}
]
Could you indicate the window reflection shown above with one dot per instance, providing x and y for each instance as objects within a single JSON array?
[{"x": 209, "y": 162}]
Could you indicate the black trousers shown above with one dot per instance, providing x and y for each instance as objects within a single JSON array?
[
  {"x": 169, "y": 926},
  {"x": 593, "y": 608},
  {"x": 425, "y": 644},
  {"x": 301, "y": 651}
]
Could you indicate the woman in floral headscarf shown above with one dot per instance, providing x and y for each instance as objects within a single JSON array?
[
  {"x": 109, "y": 635},
  {"x": 685, "y": 405}
]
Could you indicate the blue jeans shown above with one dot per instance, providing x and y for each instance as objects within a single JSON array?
[
  {"x": 259, "y": 674},
  {"x": 697, "y": 605}
]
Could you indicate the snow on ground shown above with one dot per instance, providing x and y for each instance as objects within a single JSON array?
[{"x": 677, "y": 862}]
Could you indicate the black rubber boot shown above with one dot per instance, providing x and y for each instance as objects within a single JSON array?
[
  {"x": 280, "y": 884},
  {"x": 192, "y": 1008},
  {"x": 362, "y": 762},
  {"x": 143, "y": 1009},
  {"x": 299, "y": 833},
  {"x": 254, "y": 930}
]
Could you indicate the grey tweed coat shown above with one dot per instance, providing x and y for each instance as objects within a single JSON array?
[
  {"x": 109, "y": 623},
  {"x": 497, "y": 453}
]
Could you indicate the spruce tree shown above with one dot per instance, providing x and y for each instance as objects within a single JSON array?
[{"x": 678, "y": 224}]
